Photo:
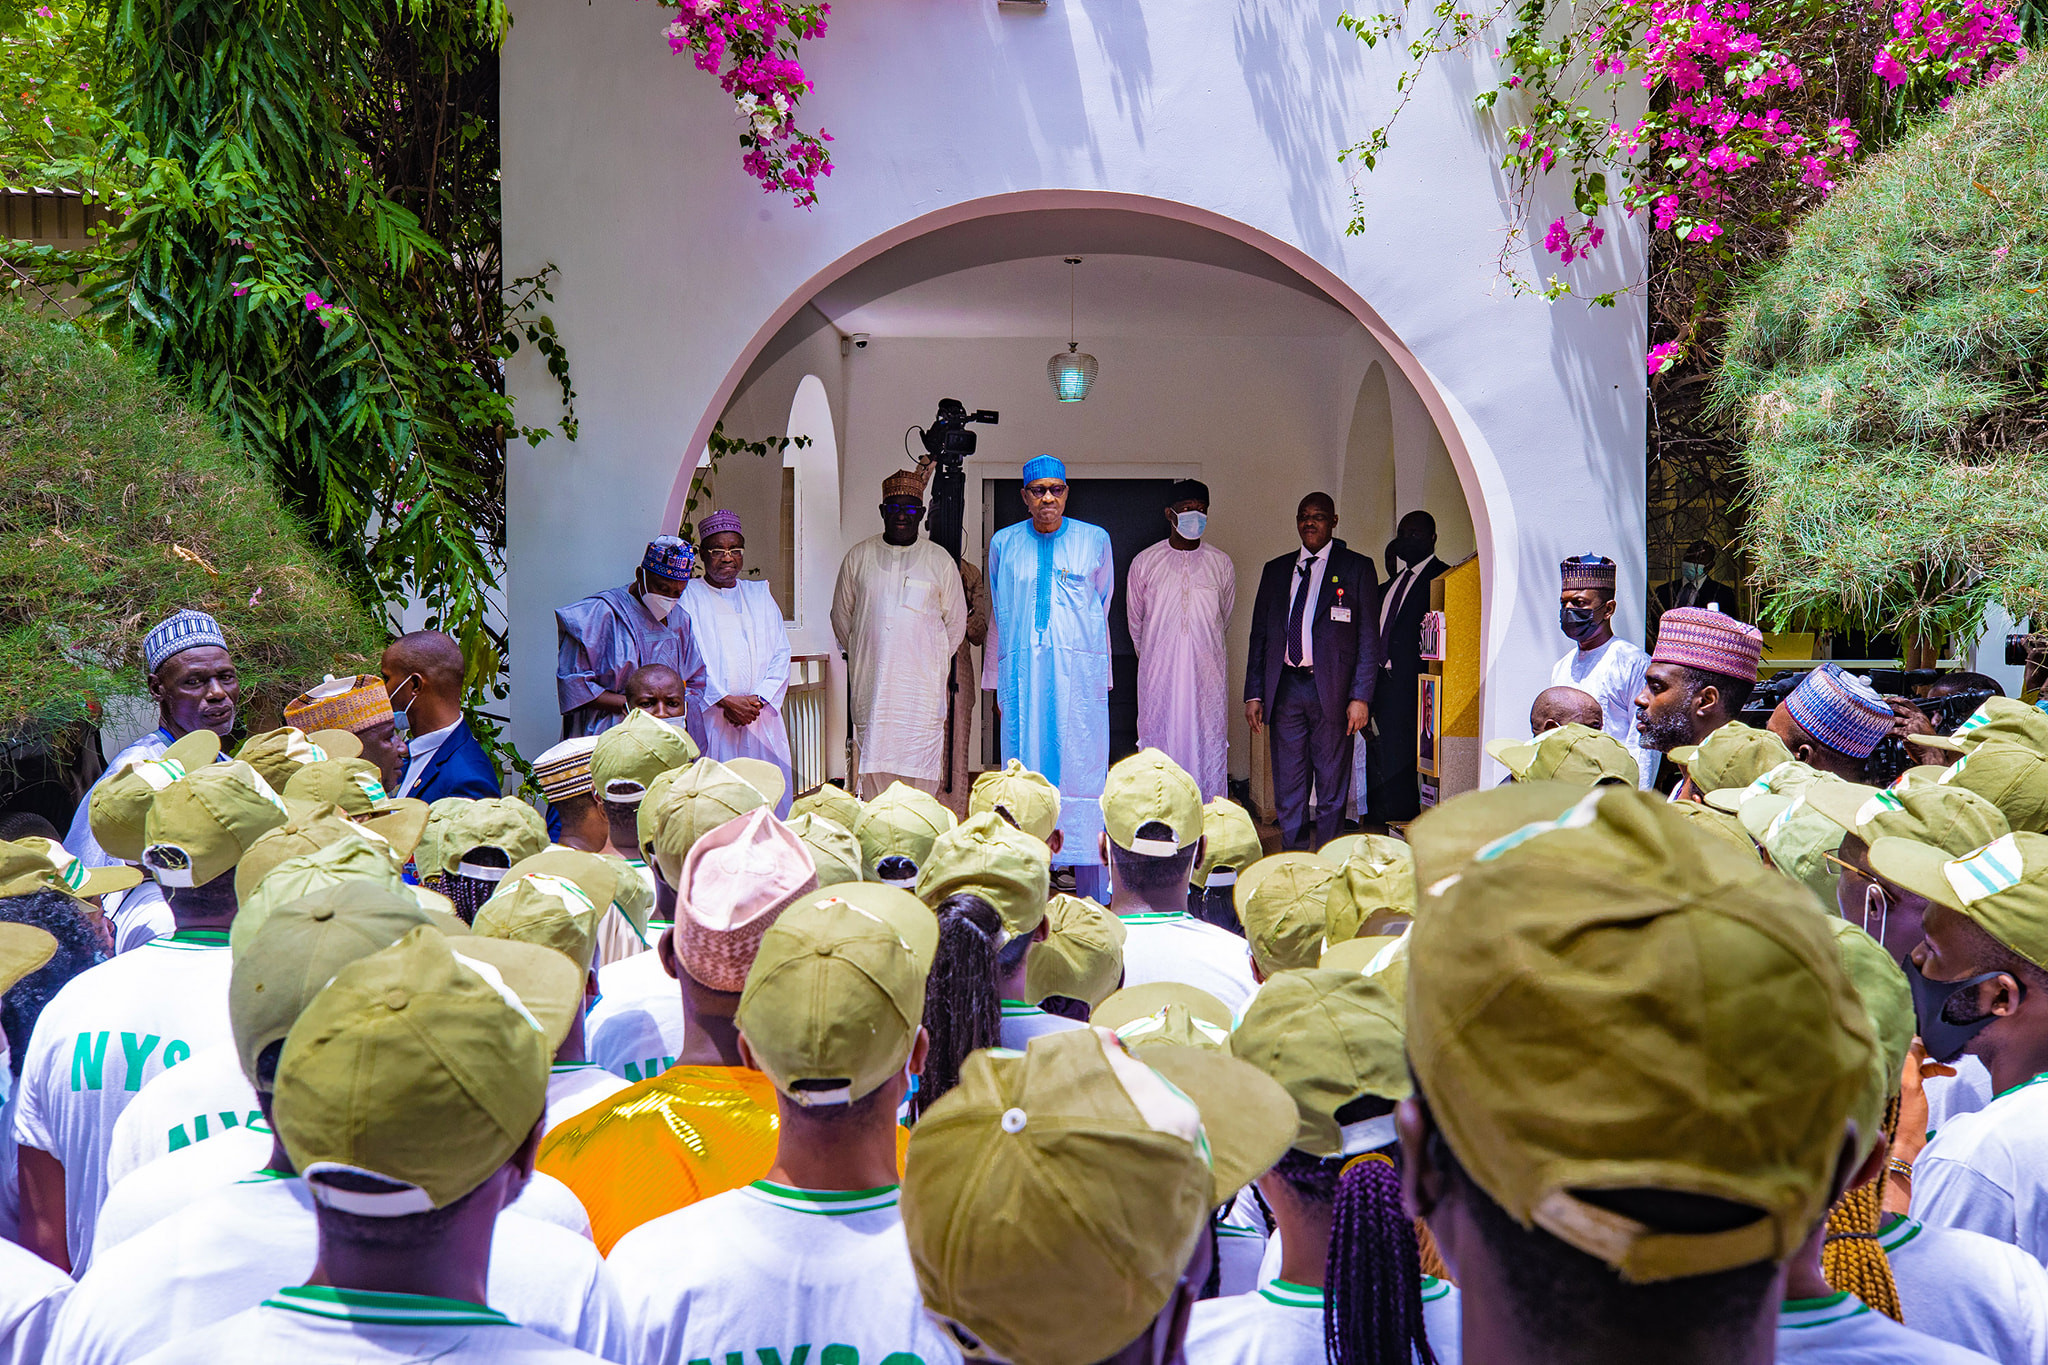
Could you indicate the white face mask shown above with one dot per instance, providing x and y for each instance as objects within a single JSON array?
[
  {"x": 1191, "y": 524},
  {"x": 658, "y": 606},
  {"x": 1692, "y": 573}
]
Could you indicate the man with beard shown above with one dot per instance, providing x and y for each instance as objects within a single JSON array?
[{"x": 1703, "y": 671}]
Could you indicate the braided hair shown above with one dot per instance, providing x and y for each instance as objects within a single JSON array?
[
  {"x": 1850, "y": 1257},
  {"x": 962, "y": 1005}
]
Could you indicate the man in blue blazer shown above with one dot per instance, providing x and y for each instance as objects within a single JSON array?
[
  {"x": 423, "y": 676},
  {"x": 1315, "y": 659}
]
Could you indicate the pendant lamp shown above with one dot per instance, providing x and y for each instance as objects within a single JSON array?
[{"x": 1072, "y": 373}]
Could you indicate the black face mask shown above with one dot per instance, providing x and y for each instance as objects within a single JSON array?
[
  {"x": 1578, "y": 622},
  {"x": 1944, "y": 1041}
]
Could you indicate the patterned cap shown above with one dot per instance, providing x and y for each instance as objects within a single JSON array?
[
  {"x": 736, "y": 881},
  {"x": 718, "y": 523},
  {"x": 904, "y": 483},
  {"x": 1588, "y": 571},
  {"x": 1713, "y": 642},
  {"x": 669, "y": 556},
  {"x": 1840, "y": 710},
  {"x": 354, "y": 703},
  {"x": 564, "y": 771},
  {"x": 177, "y": 633}
]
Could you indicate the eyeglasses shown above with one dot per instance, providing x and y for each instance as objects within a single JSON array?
[
  {"x": 734, "y": 552},
  {"x": 1043, "y": 491}
]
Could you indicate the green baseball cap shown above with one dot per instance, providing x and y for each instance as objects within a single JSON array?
[
  {"x": 1384, "y": 959},
  {"x": 1231, "y": 844},
  {"x": 1030, "y": 801},
  {"x": 832, "y": 846},
  {"x": 835, "y": 995},
  {"x": 441, "y": 817},
  {"x": 1951, "y": 818},
  {"x": 1718, "y": 823},
  {"x": 633, "y": 896},
  {"x": 504, "y": 824},
  {"x": 118, "y": 807},
  {"x": 199, "y": 828},
  {"x": 279, "y": 753},
  {"x": 298, "y": 948},
  {"x": 1154, "y": 998},
  {"x": 686, "y": 803},
  {"x": 1372, "y": 894},
  {"x": 994, "y": 860},
  {"x": 309, "y": 831},
  {"x": 1286, "y": 912},
  {"x": 1248, "y": 1125},
  {"x": 37, "y": 864},
  {"x": 414, "y": 1067},
  {"x": 910, "y": 917},
  {"x": 1174, "y": 1026},
  {"x": 1733, "y": 756},
  {"x": 1445, "y": 842},
  {"x": 2012, "y": 777},
  {"x": 351, "y": 860},
  {"x": 1382, "y": 846},
  {"x": 631, "y": 754},
  {"x": 1331, "y": 1038},
  {"x": 1081, "y": 956},
  {"x": 1052, "y": 1199},
  {"x": 598, "y": 876},
  {"x": 2000, "y": 719},
  {"x": 1578, "y": 988},
  {"x": 763, "y": 776},
  {"x": 1147, "y": 787},
  {"x": 1797, "y": 838},
  {"x": 354, "y": 784},
  {"x": 1882, "y": 988},
  {"x": 23, "y": 951},
  {"x": 835, "y": 803},
  {"x": 545, "y": 908},
  {"x": 902, "y": 822},
  {"x": 2002, "y": 887},
  {"x": 1571, "y": 753}
]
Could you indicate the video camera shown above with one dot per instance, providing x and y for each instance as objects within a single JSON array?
[{"x": 948, "y": 441}]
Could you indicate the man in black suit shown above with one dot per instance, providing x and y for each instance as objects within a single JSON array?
[
  {"x": 1694, "y": 587},
  {"x": 1391, "y": 790},
  {"x": 1315, "y": 656}
]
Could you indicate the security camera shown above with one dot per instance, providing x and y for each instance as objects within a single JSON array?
[{"x": 860, "y": 341}]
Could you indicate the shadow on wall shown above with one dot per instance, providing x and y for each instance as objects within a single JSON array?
[{"x": 1286, "y": 50}]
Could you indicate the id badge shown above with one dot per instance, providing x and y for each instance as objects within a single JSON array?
[{"x": 1341, "y": 615}]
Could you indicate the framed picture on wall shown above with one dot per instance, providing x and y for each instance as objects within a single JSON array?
[{"x": 1429, "y": 724}]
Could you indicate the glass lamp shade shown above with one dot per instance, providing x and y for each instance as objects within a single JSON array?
[{"x": 1072, "y": 374}]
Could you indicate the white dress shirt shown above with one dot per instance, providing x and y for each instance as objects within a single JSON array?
[
  {"x": 1319, "y": 562},
  {"x": 420, "y": 752}
]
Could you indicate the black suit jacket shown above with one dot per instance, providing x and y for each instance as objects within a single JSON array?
[
  {"x": 1401, "y": 636},
  {"x": 1347, "y": 653},
  {"x": 460, "y": 767}
]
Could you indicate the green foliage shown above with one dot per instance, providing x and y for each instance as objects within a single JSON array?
[
  {"x": 50, "y": 60},
  {"x": 1886, "y": 379},
  {"x": 120, "y": 504}
]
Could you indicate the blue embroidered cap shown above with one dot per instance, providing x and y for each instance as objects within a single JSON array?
[
  {"x": 175, "y": 634},
  {"x": 1043, "y": 467},
  {"x": 669, "y": 556},
  {"x": 1840, "y": 710}
]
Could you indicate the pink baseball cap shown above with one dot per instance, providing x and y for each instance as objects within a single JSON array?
[{"x": 737, "y": 879}]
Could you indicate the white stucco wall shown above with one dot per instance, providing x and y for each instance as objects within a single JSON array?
[{"x": 621, "y": 168}]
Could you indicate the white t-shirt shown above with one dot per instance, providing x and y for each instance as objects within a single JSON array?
[
  {"x": 1988, "y": 1171},
  {"x": 1022, "y": 1023},
  {"x": 1963, "y": 1093},
  {"x": 226, "y": 1252},
  {"x": 1240, "y": 1244},
  {"x": 107, "y": 1031},
  {"x": 635, "y": 1029},
  {"x": 141, "y": 914},
  {"x": 1174, "y": 946},
  {"x": 1842, "y": 1329},
  {"x": 1612, "y": 675},
  {"x": 764, "y": 1267},
  {"x": 1282, "y": 1324},
  {"x": 153, "y": 1192},
  {"x": 31, "y": 1293},
  {"x": 10, "y": 1177},
  {"x": 1965, "y": 1288},
  {"x": 203, "y": 1098},
  {"x": 574, "y": 1086},
  {"x": 316, "y": 1326}
]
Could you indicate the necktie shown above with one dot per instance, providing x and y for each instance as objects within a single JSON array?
[{"x": 1294, "y": 614}]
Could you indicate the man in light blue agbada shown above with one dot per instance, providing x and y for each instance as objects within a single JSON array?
[{"x": 1050, "y": 580}]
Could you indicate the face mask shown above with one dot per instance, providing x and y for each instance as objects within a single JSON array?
[
  {"x": 401, "y": 718},
  {"x": 1577, "y": 622},
  {"x": 1945, "y": 1041},
  {"x": 1693, "y": 573},
  {"x": 659, "y": 606},
  {"x": 1191, "y": 524}
]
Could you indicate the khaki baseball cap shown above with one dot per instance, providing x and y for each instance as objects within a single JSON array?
[
  {"x": 354, "y": 784},
  {"x": 504, "y": 824},
  {"x": 1249, "y": 1125},
  {"x": 1383, "y": 959},
  {"x": 1797, "y": 838},
  {"x": 199, "y": 828},
  {"x": 1081, "y": 956},
  {"x": 1286, "y": 912},
  {"x": 833, "y": 848},
  {"x": 1231, "y": 845},
  {"x": 2000, "y": 719},
  {"x": 1330, "y": 1038},
  {"x": 1951, "y": 818},
  {"x": 1052, "y": 1199},
  {"x": 23, "y": 951},
  {"x": 1578, "y": 988},
  {"x": 600, "y": 877},
  {"x": 118, "y": 807},
  {"x": 416, "y": 1067},
  {"x": 1372, "y": 894},
  {"x": 2012, "y": 777},
  {"x": 545, "y": 908},
  {"x": 631, "y": 754},
  {"x": 308, "y": 831},
  {"x": 684, "y": 804},
  {"x": 36, "y": 864},
  {"x": 763, "y": 776},
  {"x": 835, "y": 995},
  {"x": 1787, "y": 779},
  {"x": 353, "y": 860},
  {"x": 1030, "y": 801},
  {"x": 279, "y": 753},
  {"x": 1882, "y": 988},
  {"x": 902, "y": 822},
  {"x": 2002, "y": 887},
  {"x": 1133, "y": 1003},
  {"x": 835, "y": 803},
  {"x": 1174, "y": 1026},
  {"x": 1382, "y": 846},
  {"x": 441, "y": 817},
  {"x": 1446, "y": 839},
  {"x": 1733, "y": 756},
  {"x": 1569, "y": 753},
  {"x": 992, "y": 859},
  {"x": 1718, "y": 823},
  {"x": 1146, "y": 787},
  {"x": 910, "y": 917},
  {"x": 298, "y": 948}
]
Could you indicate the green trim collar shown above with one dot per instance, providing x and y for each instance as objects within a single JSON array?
[
  {"x": 400, "y": 1310},
  {"x": 1017, "y": 1009},
  {"x": 1292, "y": 1295},
  {"x": 829, "y": 1203},
  {"x": 1155, "y": 917},
  {"x": 1799, "y": 1314},
  {"x": 1896, "y": 1234},
  {"x": 1434, "y": 1289},
  {"x": 188, "y": 939}
]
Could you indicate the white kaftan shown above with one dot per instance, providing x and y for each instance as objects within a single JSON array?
[
  {"x": 1612, "y": 675},
  {"x": 1179, "y": 602},
  {"x": 899, "y": 613},
  {"x": 744, "y": 651}
]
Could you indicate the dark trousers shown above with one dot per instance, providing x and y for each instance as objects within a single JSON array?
[
  {"x": 1308, "y": 742},
  {"x": 1392, "y": 792}
]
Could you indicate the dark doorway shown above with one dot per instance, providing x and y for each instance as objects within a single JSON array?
[{"x": 1132, "y": 511}]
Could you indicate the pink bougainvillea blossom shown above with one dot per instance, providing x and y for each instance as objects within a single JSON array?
[
  {"x": 765, "y": 81},
  {"x": 1662, "y": 354}
]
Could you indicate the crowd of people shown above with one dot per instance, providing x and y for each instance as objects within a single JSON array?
[{"x": 321, "y": 1048}]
